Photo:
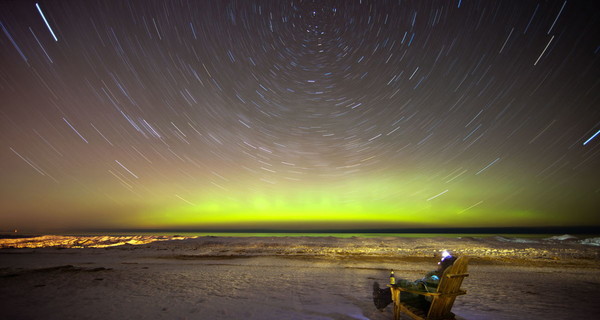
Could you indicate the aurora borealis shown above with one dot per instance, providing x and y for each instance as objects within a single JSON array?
[{"x": 345, "y": 114}]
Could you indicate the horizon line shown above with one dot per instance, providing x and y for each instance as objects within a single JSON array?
[{"x": 438, "y": 230}]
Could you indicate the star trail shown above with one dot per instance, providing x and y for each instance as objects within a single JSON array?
[{"x": 303, "y": 114}]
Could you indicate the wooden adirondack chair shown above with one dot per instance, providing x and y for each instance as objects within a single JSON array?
[{"x": 441, "y": 300}]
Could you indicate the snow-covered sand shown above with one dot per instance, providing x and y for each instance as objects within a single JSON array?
[{"x": 287, "y": 277}]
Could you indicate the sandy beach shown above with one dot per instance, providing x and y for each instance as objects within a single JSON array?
[{"x": 286, "y": 277}]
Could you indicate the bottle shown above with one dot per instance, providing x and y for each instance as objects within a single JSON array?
[{"x": 392, "y": 278}]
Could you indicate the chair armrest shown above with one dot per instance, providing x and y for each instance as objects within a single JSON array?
[
  {"x": 430, "y": 294},
  {"x": 423, "y": 293},
  {"x": 458, "y": 275}
]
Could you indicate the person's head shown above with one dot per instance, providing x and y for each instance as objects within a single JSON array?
[{"x": 447, "y": 260}]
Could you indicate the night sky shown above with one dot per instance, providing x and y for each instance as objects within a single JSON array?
[{"x": 301, "y": 114}]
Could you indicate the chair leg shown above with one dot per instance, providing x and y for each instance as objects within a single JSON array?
[{"x": 396, "y": 299}]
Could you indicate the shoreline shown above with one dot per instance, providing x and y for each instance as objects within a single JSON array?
[{"x": 564, "y": 251}]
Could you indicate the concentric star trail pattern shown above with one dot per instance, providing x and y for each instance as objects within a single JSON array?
[{"x": 299, "y": 114}]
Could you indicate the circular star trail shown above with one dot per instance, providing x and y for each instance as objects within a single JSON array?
[{"x": 299, "y": 114}]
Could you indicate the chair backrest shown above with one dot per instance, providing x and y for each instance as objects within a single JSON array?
[
  {"x": 451, "y": 280},
  {"x": 449, "y": 287}
]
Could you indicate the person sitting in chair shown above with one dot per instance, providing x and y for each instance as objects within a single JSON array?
[{"x": 429, "y": 283}]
